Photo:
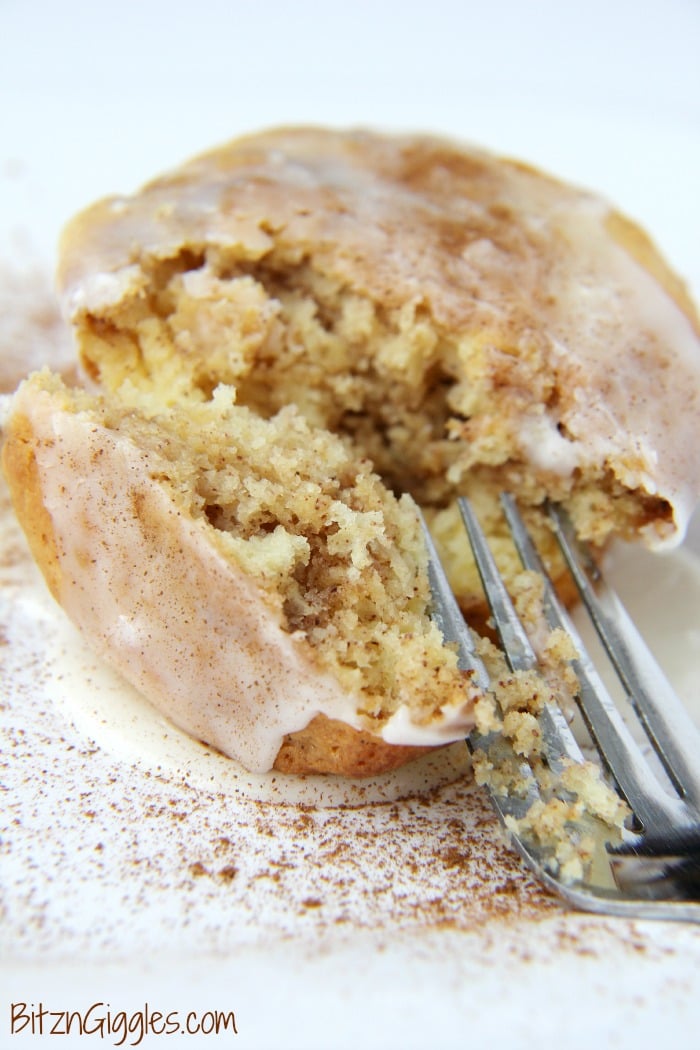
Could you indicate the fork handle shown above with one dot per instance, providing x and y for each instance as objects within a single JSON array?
[
  {"x": 679, "y": 843},
  {"x": 658, "y": 867}
]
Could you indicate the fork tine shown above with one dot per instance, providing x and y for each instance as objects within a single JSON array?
[
  {"x": 516, "y": 644},
  {"x": 648, "y": 800},
  {"x": 667, "y": 723},
  {"x": 448, "y": 615},
  {"x": 559, "y": 742}
]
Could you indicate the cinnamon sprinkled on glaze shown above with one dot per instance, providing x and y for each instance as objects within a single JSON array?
[{"x": 532, "y": 330}]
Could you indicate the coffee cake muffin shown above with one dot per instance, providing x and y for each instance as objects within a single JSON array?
[
  {"x": 291, "y": 339},
  {"x": 253, "y": 577}
]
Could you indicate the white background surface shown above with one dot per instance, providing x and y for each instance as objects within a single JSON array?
[{"x": 97, "y": 97}]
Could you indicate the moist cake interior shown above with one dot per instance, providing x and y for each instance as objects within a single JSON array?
[{"x": 424, "y": 407}]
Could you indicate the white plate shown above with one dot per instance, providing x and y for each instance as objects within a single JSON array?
[{"x": 139, "y": 868}]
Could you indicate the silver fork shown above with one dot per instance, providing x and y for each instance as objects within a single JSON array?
[{"x": 654, "y": 872}]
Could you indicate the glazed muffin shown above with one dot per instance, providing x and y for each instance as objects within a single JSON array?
[
  {"x": 291, "y": 339},
  {"x": 250, "y": 576}
]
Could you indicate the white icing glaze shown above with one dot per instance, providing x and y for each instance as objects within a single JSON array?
[
  {"x": 100, "y": 290},
  {"x": 155, "y": 599},
  {"x": 456, "y": 723},
  {"x": 546, "y": 448},
  {"x": 623, "y": 328}
]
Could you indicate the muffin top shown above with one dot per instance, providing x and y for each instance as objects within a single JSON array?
[{"x": 551, "y": 317}]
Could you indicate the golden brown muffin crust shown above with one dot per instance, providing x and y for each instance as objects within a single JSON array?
[
  {"x": 20, "y": 468},
  {"x": 330, "y": 746}
]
